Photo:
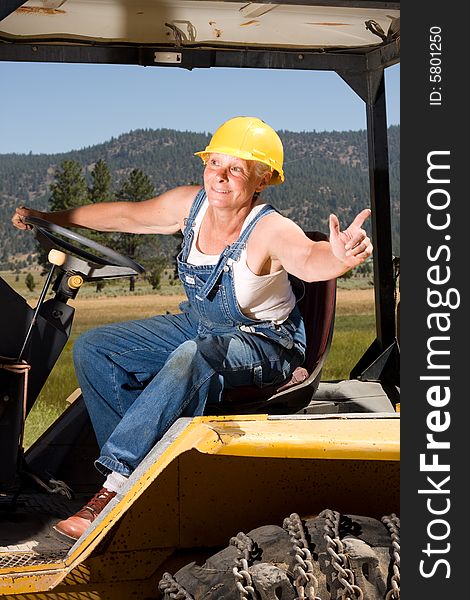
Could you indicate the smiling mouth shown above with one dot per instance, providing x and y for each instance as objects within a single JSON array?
[{"x": 222, "y": 191}]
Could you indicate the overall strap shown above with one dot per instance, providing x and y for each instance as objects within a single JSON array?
[
  {"x": 237, "y": 247},
  {"x": 195, "y": 207},
  {"x": 188, "y": 231},
  {"x": 231, "y": 253}
]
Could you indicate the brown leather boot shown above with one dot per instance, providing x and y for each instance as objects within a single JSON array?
[{"x": 74, "y": 526}]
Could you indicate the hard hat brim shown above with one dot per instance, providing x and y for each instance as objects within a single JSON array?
[{"x": 277, "y": 176}]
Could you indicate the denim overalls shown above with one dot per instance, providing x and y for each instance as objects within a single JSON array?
[
  {"x": 138, "y": 377},
  {"x": 211, "y": 290}
]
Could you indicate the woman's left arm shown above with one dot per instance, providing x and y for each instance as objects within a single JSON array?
[{"x": 319, "y": 261}]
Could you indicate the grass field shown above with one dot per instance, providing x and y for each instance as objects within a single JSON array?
[{"x": 354, "y": 332}]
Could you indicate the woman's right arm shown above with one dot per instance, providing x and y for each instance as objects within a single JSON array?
[{"x": 163, "y": 214}]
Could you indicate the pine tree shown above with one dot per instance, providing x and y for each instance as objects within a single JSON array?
[
  {"x": 100, "y": 189},
  {"x": 135, "y": 188},
  {"x": 69, "y": 189}
]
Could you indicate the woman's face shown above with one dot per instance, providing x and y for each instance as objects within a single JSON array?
[{"x": 230, "y": 182}]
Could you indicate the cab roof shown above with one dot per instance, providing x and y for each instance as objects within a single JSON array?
[{"x": 148, "y": 31}]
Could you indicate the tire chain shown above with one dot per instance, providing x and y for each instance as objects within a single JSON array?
[
  {"x": 305, "y": 582},
  {"x": 339, "y": 560},
  {"x": 392, "y": 522},
  {"x": 172, "y": 589},
  {"x": 246, "y": 549}
]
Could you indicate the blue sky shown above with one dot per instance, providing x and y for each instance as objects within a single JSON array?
[{"x": 48, "y": 108}]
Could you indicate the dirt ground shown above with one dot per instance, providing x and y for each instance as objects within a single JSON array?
[{"x": 351, "y": 302}]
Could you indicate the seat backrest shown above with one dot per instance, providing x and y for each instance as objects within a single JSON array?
[
  {"x": 317, "y": 303},
  {"x": 318, "y": 310}
]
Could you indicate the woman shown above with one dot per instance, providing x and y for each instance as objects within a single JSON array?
[{"x": 240, "y": 325}]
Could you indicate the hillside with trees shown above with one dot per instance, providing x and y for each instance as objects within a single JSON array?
[{"x": 325, "y": 172}]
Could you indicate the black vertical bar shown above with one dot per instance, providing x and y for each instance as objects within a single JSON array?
[
  {"x": 384, "y": 287},
  {"x": 434, "y": 315}
]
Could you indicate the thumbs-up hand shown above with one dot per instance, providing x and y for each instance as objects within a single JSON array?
[{"x": 352, "y": 246}]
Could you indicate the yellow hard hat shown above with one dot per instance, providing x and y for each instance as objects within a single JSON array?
[{"x": 248, "y": 138}]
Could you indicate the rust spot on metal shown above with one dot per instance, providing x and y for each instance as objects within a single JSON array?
[
  {"x": 330, "y": 24},
  {"x": 39, "y": 10},
  {"x": 247, "y": 23},
  {"x": 215, "y": 30}
]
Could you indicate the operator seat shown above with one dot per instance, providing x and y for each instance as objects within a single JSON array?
[{"x": 317, "y": 302}]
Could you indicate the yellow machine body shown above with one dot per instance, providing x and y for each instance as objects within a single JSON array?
[{"x": 211, "y": 478}]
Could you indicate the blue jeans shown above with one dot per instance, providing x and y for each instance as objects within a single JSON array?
[{"x": 138, "y": 377}]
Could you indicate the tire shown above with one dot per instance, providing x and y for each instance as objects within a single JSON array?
[{"x": 329, "y": 556}]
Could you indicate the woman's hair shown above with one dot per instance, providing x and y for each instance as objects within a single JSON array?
[{"x": 261, "y": 168}]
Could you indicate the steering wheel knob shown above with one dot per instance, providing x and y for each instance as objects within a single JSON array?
[{"x": 56, "y": 257}]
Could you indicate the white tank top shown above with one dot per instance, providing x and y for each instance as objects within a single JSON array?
[{"x": 262, "y": 297}]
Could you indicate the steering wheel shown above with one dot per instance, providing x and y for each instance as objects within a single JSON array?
[{"x": 109, "y": 257}]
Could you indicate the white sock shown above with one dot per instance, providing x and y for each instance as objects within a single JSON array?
[{"x": 114, "y": 481}]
